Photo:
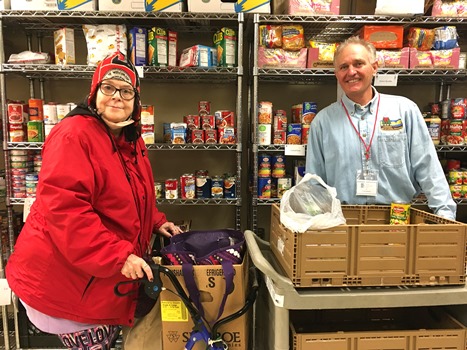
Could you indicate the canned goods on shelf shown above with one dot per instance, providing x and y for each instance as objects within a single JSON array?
[{"x": 217, "y": 187}]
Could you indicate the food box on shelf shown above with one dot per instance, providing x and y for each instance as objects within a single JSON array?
[
  {"x": 394, "y": 328},
  {"x": 141, "y": 5},
  {"x": 367, "y": 251},
  {"x": 229, "y": 6}
]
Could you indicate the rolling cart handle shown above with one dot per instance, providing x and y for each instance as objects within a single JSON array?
[{"x": 253, "y": 242}]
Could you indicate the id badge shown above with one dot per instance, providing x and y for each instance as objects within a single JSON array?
[{"x": 367, "y": 183}]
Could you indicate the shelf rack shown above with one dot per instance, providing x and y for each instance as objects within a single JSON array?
[{"x": 41, "y": 24}]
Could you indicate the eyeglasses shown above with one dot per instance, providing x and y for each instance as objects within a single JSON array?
[{"x": 110, "y": 90}]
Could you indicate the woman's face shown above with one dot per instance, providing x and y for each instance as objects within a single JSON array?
[{"x": 114, "y": 108}]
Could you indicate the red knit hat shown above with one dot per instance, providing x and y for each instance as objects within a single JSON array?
[{"x": 116, "y": 66}]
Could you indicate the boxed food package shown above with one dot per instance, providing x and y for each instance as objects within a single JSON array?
[
  {"x": 172, "y": 41},
  {"x": 443, "y": 8},
  {"x": 444, "y": 59},
  {"x": 318, "y": 58},
  {"x": 35, "y": 5},
  {"x": 368, "y": 251},
  {"x": 307, "y": 7},
  {"x": 141, "y": 5},
  {"x": 393, "y": 58},
  {"x": 229, "y": 6},
  {"x": 198, "y": 56},
  {"x": 383, "y": 37},
  {"x": 64, "y": 44},
  {"x": 177, "y": 322},
  {"x": 138, "y": 38},
  {"x": 157, "y": 47}
]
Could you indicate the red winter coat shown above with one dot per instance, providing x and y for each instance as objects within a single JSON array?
[{"x": 87, "y": 218}]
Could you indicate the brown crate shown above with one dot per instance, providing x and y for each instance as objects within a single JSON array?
[
  {"x": 367, "y": 251},
  {"x": 383, "y": 329}
]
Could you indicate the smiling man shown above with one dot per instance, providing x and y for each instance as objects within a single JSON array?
[{"x": 374, "y": 148}]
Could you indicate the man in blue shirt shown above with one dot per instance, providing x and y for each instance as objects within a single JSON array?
[{"x": 374, "y": 148}]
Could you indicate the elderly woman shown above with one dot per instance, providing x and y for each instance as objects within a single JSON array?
[{"x": 93, "y": 217}]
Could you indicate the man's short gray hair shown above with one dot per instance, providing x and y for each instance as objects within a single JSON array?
[{"x": 355, "y": 40}]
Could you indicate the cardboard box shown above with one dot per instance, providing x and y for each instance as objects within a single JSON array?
[
  {"x": 227, "y": 6},
  {"x": 393, "y": 58},
  {"x": 64, "y": 44},
  {"x": 5, "y": 5},
  {"x": 141, "y": 5},
  {"x": 399, "y": 7},
  {"x": 444, "y": 59},
  {"x": 449, "y": 8},
  {"x": 176, "y": 321},
  {"x": 383, "y": 37},
  {"x": 367, "y": 251},
  {"x": 306, "y": 7},
  {"x": 313, "y": 60},
  {"x": 35, "y": 5}
]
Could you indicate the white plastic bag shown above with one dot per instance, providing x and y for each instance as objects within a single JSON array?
[{"x": 311, "y": 204}]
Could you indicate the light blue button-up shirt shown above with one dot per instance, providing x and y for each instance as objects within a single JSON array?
[{"x": 402, "y": 152}]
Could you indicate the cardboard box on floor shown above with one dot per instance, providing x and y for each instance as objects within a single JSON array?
[{"x": 176, "y": 321}]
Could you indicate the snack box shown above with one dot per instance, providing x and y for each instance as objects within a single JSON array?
[
  {"x": 383, "y": 37},
  {"x": 443, "y": 8},
  {"x": 367, "y": 251},
  {"x": 443, "y": 59},
  {"x": 307, "y": 7},
  {"x": 393, "y": 58}
]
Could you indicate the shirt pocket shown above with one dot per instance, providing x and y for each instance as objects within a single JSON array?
[{"x": 392, "y": 150}]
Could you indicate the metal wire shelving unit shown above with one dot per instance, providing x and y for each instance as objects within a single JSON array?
[
  {"x": 336, "y": 29},
  {"x": 36, "y": 25}
]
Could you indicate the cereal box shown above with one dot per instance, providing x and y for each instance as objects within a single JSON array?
[{"x": 64, "y": 42}]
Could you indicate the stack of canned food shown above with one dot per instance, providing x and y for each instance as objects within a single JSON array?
[
  {"x": 203, "y": 127},
  {"x": 272, "y": 179},
  {"x": 197, "y": 185},
  {"x": 457, "y": 178},
  {"x": 273, "y": 127},
  {"x": 25, "y": 167},
  {"x": 32, "y": 122}
]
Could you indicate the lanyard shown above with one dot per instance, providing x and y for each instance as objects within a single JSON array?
[{"x": 367, "y": 147}]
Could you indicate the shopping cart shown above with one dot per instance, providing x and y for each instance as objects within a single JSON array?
[{"x": 202, "y": 330}]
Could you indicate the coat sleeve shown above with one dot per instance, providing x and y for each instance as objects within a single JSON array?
[
  {"x": 66, "y": 191},
  {"x": 159, "y": 218},
  {"x": 427, "y": 169}
]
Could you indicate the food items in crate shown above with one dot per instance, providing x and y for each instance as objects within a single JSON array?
[{"x": 400, "y": 214}]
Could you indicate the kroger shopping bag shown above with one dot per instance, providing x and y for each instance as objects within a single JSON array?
[{"x": 311, "y": 204}]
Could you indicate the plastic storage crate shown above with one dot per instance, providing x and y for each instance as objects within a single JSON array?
[
  {"x": 383, "y": 329},
  {"x": 367, "y": 251}
]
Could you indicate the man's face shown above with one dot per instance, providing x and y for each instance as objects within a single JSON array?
[{"x": 354, "y": 72}]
